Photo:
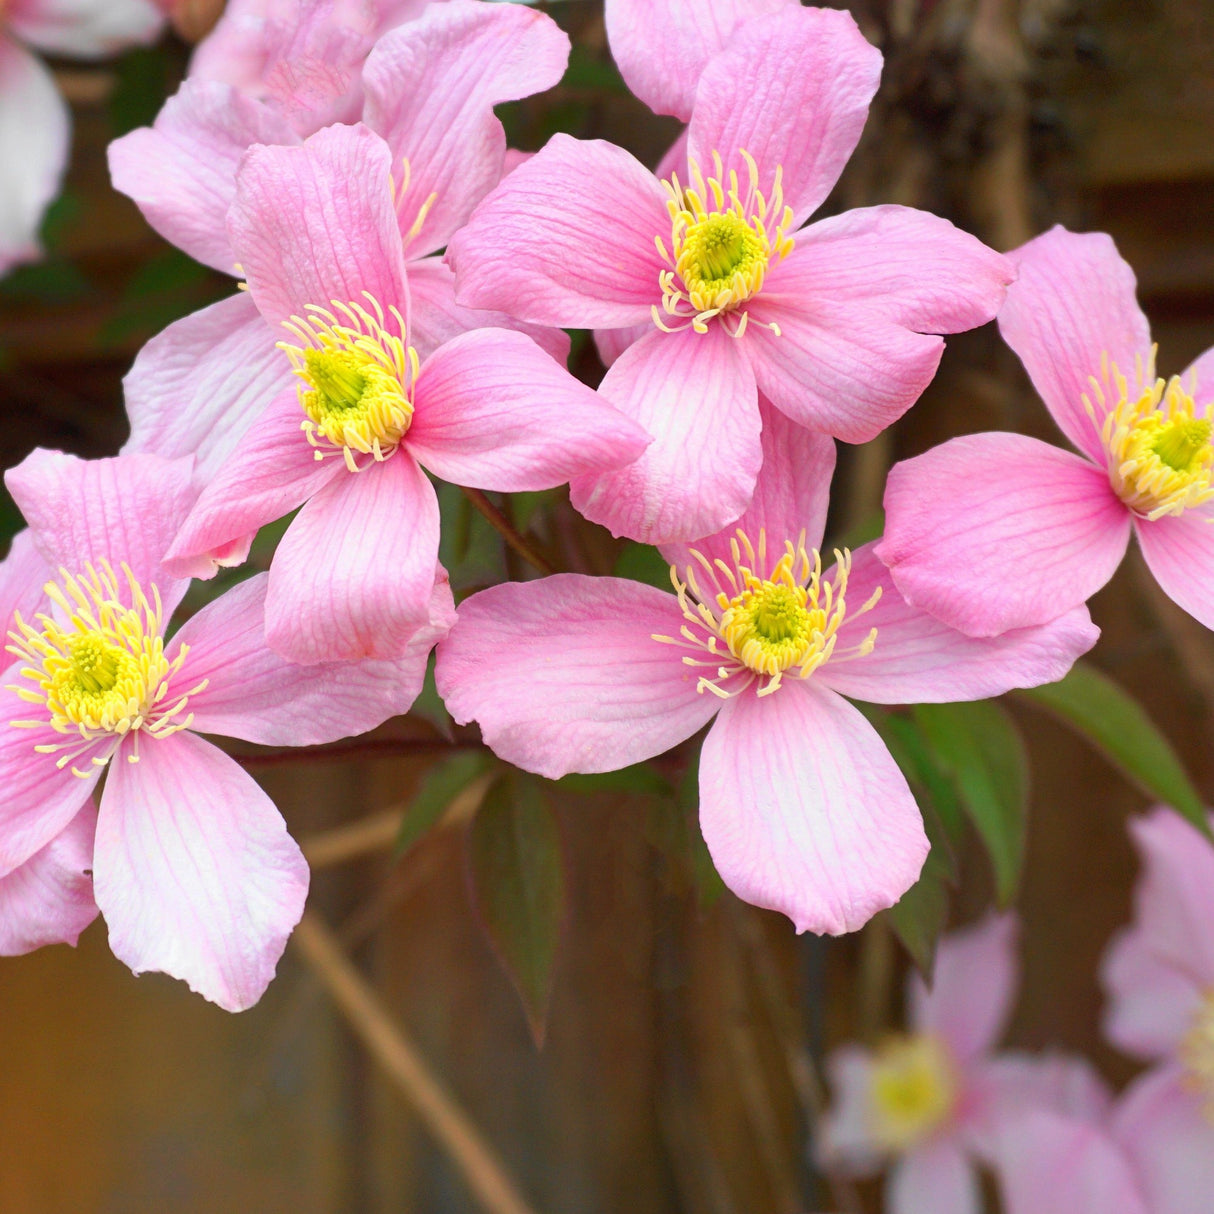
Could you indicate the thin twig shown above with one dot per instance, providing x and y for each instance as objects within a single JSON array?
[
  {"x": 399, "y": 1058},
  {"x": 502, "y": 525}
]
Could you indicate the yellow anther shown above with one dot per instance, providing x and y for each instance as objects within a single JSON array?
[
  {"x": 914, "y": 1090},
  {"x": 1197, "y": 1053}
]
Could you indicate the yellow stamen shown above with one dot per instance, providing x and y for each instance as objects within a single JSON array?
[
  {"x": 757, "y": 621},
  {"x": 914, "y": 1090},
  {"x": 1160, "y": 457},
  {"x": 100, "y": 669},
  {"x": 722, "y": 243},
  {"x": 400, "y": 197},
  {"x": 1197, "y": 1053},
  {"x": 358, "y": 380}
]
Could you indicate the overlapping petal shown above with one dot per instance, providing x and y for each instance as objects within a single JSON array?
[
  {"x": 935, "y": 1176},
  {"x": 23, "y": 573},
  {"x": 1151, "y": 1002},
  {"x": 85, "y": 29},
  {"x": 1179, "y": 549}
]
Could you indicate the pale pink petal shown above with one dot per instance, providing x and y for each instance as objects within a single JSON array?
[
  {"x": 197, "y": 386},
  {"x": 1050, "y": 1164},
  {"x": 494, "y": 411},
  {"x": 181, "y": 171},
  {"x": 611, "y": 343},
  {"x": 353, "y": 576},
  {"x": 35, "y": 132},
  {"x": 194, "y": 870},
  {"x": 84, "y": 29},
  {"x": 254, "y": 694},
  {"x": 908, "y": 266},
  {"x": 918, "y": 659},
  {"x": 674, "y": 159},
  {"x": 49, "y": 899},
  {"x": 1199, "y": 376},
  {"x": 972, "y": 989},
  {"x": 695, "y": 394},
  {"x": 316, "y": 223},
  {"x": 273, "y": 470},
  {"x": 791, "y": 495},
  {"x": 124, "y": 510},
  {"x": 845, "y": 1132},
  {"x": 40, "y": 799},
  {"x": 435, "y": 317},
  {"x": 566, "y": 239},
  {"x": 793, "y": 90},
  {"x": 431, "y": 86},
  {"x": 805, "y": 812},
  {"x": 1072, "y": 305},
  {"x": 1163, "y": 1125},
  {"x": 991, "y": 532},
  {"x": 513, "y": 158},
  {"x": 935, "y": 1177},
  {"x": 1151, "y": 1003},
  {"x": 23, "y": 573},
  {"x": 661, "y": 49},
  {"x": 841, "y": 368},
  {"x": 1179, "y": 549},
  {"x": 563, "y": 674}
]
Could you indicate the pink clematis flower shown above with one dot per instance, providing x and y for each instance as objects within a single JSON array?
[
  {"x": 316, "y": 230},
  {"x": 35, "y": 125},
  {"x": 192, "y": 865},
  {"x": 835, "y": 323},
  {"x": 801, "y": 805},
  {"x": 428, "y": 88},
  {"x": 996, "y": 531},
  {"x": 936, "y": 1098},
  {"x": 1159, "y": 975}
]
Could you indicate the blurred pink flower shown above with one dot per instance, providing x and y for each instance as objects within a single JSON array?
[
  {"x": 997, "y": 531},
  {"x": 720, "y": 288},
  {"x": 1159, "y": 975},
  {"x": 35, "y": 125},
  {"x": 937, "y": 1098},
  {"x": 316, "y": 231},
  {"x": 192, "y": 867},
  {"x": 801, "y": 805}
]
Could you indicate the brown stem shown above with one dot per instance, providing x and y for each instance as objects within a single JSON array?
[
  {"x": 369, "y": 748},
  {"x": 502, "y": 525},
  {"x": 399, "y": 1058}
]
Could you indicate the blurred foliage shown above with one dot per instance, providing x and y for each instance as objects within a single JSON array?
[
  {"x": 141, "y": 84},
  {"x": 440, "y": 786}
]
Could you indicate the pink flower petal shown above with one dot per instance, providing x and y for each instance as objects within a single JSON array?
[
  {"x": 611, "y": 343},
  {"x": 674, "y": 159},
  {"x": 992, "y": 532},
  {"x": 431, "y": 87},
  {"x": 791, "y": 495},
  {"x": 972, "y": 989},
  {"x": 1200, "y": 375},
  {"x": 35, "y": 131},
  {"x": 566, "y": 239},
  {"x": 194, "y": 870},
  {"x": 197, "y": 386},
  {"x": 793, "y": 90},
  {"x": 1179, "y": 549},
  {"x": 920, "y": 660},
  {"x": 85, "y": 29},
  {"x": 124, "y": 510},
  {"x": 1163, "y": 1126},
  {"x": 317, "y": 223},
  {"x": 1049, "y": 1164},
  {"x": 661, "y": 49},
  {"x": 273, "y": 470},
  {"x": 805, "y": 812},
  {"x": 845, "y": 1133},
  {"x": 695, "y": 394},
  {"x": 23, "y": 573},
  {"x": 842, "y": 368},
  {"x": 353, "y": 576},
  {"x": 49, "y": 899},
  {"x": 1072, "y": 304},
  {"x": 494, "y": 411},
  {"x": 435, "y": 317},
  {"x": 563, "y": 674},
  {"x": 935, "y": 1176},
  {"x": 181, "y": 172},
  {"x": 254, "y": 694}
]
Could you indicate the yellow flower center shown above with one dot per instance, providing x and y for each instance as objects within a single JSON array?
[
  {"x": 914, "y": 1090},
  {"x": 757, "y": 626},
  {"x": 1160, "y": 456},
  {"x": 1197, "y": 1053},
  {"x": 721, "y": 245},
  {"x": 99, "y": 668},
  {"x": 358, "y": 380}
]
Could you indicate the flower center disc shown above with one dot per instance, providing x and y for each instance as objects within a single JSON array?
[
  {"x": 1197, "y": 1053},
  {"x": 914, "y": 1089}
]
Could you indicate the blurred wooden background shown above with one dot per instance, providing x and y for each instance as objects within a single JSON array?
[{"x": 673, "y": 1078}]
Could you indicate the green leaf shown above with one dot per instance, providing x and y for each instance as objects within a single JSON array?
[
  {"x": 439, "y": 787},
  {"x": 1118, "y": 726},
  {"x": 643, "y": 564},
  {"x": 518, "y": 884},
  {"x": 920, "y": 916},
  {"x": 141, "y": 81},
  {"x": 639, "y": 778},
  {"x": 979, "y": 746},
  {"x": 429, "y": 704}
]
